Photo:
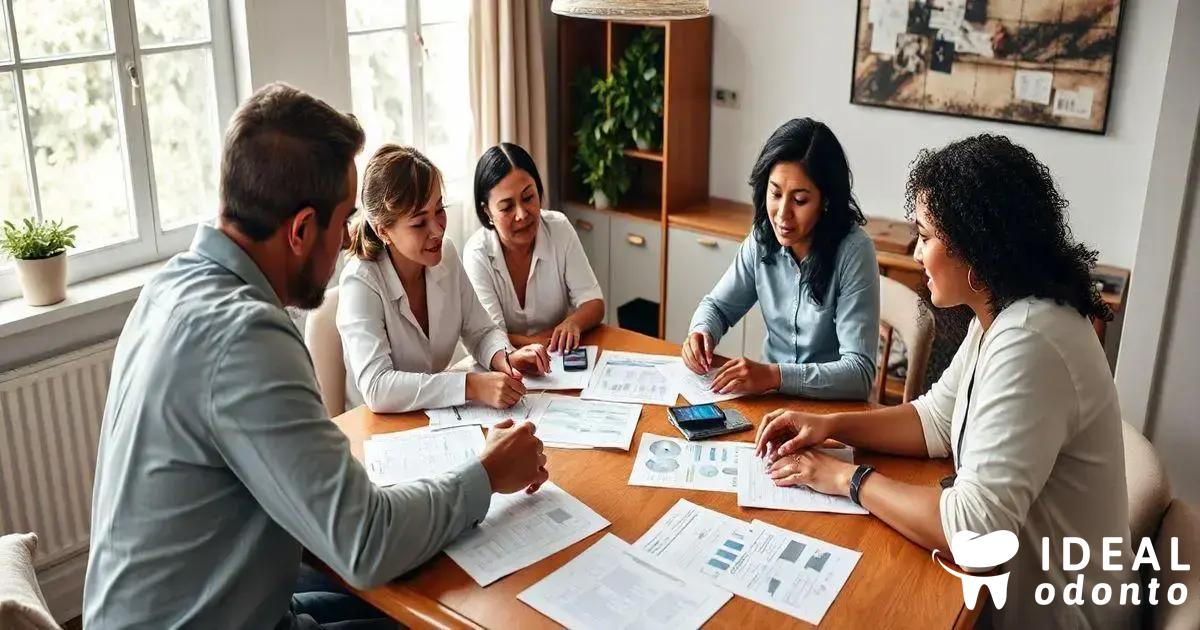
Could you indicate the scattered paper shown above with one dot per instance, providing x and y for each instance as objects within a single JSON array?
[
  {"x": 559, "y": 378},
  {"x": 566, "y": 421},
  {"x": 521, "y": 529},
  {"x": 792, "y": 573},
  {"x": 1033, "y": 86},
  {"x": 1074, "y": 103},
  {"x": 696, "y": 388},
  {"x": 695, "y": 539},
  {"x": 394, "y": 458},
  {"x": 888, "y": 18},
  {"x": 610, "y": 585},
  {"x": 757, "y": 489},
  {"x": 665, "y": 462},
  {"x": 476, "y": 414},
  {"x": 631, "y": 377}
]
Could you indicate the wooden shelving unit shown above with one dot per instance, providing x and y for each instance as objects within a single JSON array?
[{"x": 666, "y": 179}]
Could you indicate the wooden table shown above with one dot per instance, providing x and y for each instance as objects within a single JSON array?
[{"x": 895, "y": 584}]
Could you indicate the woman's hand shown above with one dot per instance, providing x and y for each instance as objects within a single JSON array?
[
  {"x": 698, "y": 352},
  {"x": 784, "y": 432},
  {"x": 743, "y": 376},
  {"x": 531, "y": 359},
  {"x": 494, "y": 389},
  {"x": 821, "y": 472},
  {"x": 565, "y": 336}
]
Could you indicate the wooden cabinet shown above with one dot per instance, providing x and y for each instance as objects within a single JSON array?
[
  {"x": 694, "y": 265},
  {"x": 634, "y": 251}
]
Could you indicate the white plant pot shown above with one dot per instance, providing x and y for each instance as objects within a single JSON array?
[
  {"x": 601, "y": 200},
  {"x": 43, "y": 281},
  {"x": 643, "y": 144}
]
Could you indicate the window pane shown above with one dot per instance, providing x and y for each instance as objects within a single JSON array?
[
  {"x": 60, "y": 27},
  {"x": 447, "y": 97},
  {"x": 77, "y": 150},
  {"x": 14, "y": 173},
  {"x": 443, "y": 11},
  {"x": 5, "y": 48},
  {"x": 171, "y": 21},
  {"x": 380, "y": 88},
  {"x": 181, "y": 106},
  {"x": 371, "y": 14}
]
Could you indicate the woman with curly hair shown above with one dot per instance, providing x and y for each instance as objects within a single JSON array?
[
  {"x": 1027, "y": 408},
  {"x": 809, "y": 266}
]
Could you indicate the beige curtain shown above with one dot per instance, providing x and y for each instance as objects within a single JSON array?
[{"x": 508, "y": 77}]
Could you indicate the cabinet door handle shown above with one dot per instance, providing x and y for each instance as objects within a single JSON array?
[
  {"x": 586, "y": 226},
  {"x": 707, "y": 242},
  {"x": 635, "y": 240}
]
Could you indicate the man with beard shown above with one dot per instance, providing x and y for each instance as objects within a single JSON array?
[{"x": 217, "y": 461}]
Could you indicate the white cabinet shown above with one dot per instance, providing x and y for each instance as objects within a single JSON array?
[
  {"x": 634, "y": 248},
  {"x": 593, "y": 229},
  {"x": 695, "y": 262}
]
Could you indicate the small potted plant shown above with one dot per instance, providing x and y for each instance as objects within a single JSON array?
[
  {"x": 40, "y": 252},
  {"x": 600, "y": 158},
  {"x": 640, "y": 74}
]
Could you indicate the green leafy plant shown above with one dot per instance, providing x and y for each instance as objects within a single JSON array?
[
  {"x": 639, "y": 73},
  {"x": 599, "y": 158},
  {"x": 34, "y": 241}
]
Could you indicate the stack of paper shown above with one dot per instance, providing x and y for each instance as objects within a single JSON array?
[
  {"x": 392, "y": 458},
  {"x": 631, "y": 377},
  {"x": 568, "y": 422},
  {"x": 476, "y": 414},
  {"x": 667, "y": 462},
  {"x": 559, "y": 378},
  {"x": 757, "y": 489},
  {"x": 521, "y": 529},
  {"x": 790, "y": 572},
  {"x": 613, "y": 585},
  {"x": 696, "y": 388}
]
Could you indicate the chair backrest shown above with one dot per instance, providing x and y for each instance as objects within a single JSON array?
[
  {"x": 1146, "y": 483},
  {"x": 22, "y": 604},
  {"x": 325, "y": 346},
  {"x": 900, "y": 310},
  {"x": 1182, "y": 524}
]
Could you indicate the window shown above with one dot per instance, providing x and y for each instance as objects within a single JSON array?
[
  {"x": 408, "y": 78},
  {"x": 110, "y": 118}
]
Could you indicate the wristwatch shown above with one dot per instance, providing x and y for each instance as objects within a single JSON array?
[{"x": 856, "y": 480}]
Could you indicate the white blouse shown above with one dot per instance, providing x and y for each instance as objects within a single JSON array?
[
  {"x": 391, "y": 365},
  {"x": 560, "y": 277},
  {"x": 1042, "y": 454}
]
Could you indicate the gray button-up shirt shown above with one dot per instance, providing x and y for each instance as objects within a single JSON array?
[
  {"x": 217, "y": 462},
  {"x": 825, "y": 351}
]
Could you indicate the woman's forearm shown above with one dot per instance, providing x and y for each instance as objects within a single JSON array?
[
  {"x": 895, "y": 430},
  {"x": 588, "y": 315},
  {"x": 911, "y": 510}
]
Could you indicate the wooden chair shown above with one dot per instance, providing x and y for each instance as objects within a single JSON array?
[
  {"x": 325, "y": 346},
  {"x": 901, "y": 311}
]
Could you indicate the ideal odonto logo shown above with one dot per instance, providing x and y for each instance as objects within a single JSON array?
[
  {"x": 976, "y": 552},
  {"x": 973, "y": 551}
]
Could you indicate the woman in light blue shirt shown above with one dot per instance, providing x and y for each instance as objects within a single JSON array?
[{"x": 812, "y": 270}]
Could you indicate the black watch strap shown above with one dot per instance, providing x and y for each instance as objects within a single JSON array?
[{"x": 856, "y": 480}]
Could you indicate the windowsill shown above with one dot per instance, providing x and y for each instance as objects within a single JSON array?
[{"x": 83, "y": 298}]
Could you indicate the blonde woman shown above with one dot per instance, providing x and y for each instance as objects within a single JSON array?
[{"x": 406, "y": 302}]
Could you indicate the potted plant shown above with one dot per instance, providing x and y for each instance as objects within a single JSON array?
[
  {"x": 40, "y": 252},
  {"x": 599, "y": 158},
  {"x": 640, "y": 75}
]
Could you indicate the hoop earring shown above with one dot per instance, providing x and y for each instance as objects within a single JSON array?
[{"x": 972, "y": 284}]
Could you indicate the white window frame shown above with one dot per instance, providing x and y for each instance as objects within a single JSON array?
[{"x": 125, "y": 53}]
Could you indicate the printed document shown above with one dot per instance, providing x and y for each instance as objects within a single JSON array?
[
  {"x": 695, "y": 539},
  {"x": 521, "y": 529},
  {"x": 559, "y": 378},
  {"x": 667, "y": 462},
  {"x": 696, "y": 388},
  {"x": 569, "y": 422},
  {"x": 631, "y": 377},
  {"x": 407, "y": 455},
  {"x": 477, "y": 414},
  {"x": 757, "y": 489}
]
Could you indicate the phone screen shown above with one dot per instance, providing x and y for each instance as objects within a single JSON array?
[
  {"x": 575, "y": 360},
  {"x": 698, "y": 413}
]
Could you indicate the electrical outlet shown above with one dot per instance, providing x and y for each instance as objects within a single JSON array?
[{"x": 726, "y": 98}]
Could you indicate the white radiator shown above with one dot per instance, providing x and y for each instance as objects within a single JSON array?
[{"x": 50, "y": 415}]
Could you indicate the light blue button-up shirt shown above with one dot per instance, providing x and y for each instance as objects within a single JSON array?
[
  {"x": 825, "y": 351},
  {"x": 217, "y": 462}
]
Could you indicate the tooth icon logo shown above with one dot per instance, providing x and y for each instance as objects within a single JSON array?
[{"x": 973, "y": 551}]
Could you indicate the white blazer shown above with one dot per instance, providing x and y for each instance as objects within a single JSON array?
[
  {"x": 391, "y": 366},
  {"x": 560, "y": 277}
]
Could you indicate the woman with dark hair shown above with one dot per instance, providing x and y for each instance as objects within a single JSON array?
[
  {"x": 406, "y": 302},
  {"x": 1027, "y": 408},
  {"x": 812, "y": 270},
  {"x": 526, "y": 263}
]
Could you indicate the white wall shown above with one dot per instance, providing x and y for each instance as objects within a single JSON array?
[{"x": 789, "y": 58}]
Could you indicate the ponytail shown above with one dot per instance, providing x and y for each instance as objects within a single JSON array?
[{"x": 364, "y": 242}]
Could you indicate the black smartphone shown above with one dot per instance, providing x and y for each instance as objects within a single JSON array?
[
  {"x": 697, "y": 416},
  {"x": 575, "y": 360},
  {"x": 701, "y": 427}
]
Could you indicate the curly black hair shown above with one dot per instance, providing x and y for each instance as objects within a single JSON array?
[
  {"x": 811, "y": 144},
  {"x": 997, "y": 208}
]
